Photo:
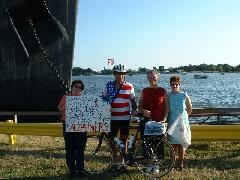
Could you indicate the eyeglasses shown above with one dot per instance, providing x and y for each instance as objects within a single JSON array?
[
  {"x": 79, "y": 87},
  {"x": 175, "y": 84}
]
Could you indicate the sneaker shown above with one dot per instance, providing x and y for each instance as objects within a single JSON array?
[
  {"x": 72, "y": 175},
  {"x": 82, "y": 174},
  {"x": 155, "y": 169},
  {"x": 121, "y": 167},
  {"x": 180, "y": 167},
  {"x": 118, "y": 167},
  {"x": 113, "y": 167}
]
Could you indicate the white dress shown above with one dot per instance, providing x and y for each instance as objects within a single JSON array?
[{"x": 178, "y": 124}]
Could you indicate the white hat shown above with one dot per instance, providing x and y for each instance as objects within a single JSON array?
[{"x": 119, "y": 68}]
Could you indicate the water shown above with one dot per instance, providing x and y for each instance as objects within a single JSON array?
[{"x": 215, "y": 91}]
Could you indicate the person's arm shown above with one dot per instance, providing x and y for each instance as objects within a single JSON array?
[
  {"x": 166, "y": 107},
  {"x": 140, "y": 106},
  {"x": 62, "y": 108},
  {"x": 134, "y": 106},
  {"x": 145, "y": 112},
  {"x": 62, "y": 104},
  {"x": 188, "y": 105},
  {"x": 133, "y": 102}
]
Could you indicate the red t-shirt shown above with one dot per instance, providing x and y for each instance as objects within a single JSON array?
[{"x": 153, "y": 101}]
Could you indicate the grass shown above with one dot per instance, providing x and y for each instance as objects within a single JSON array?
[{"x": 36, "y": 157}]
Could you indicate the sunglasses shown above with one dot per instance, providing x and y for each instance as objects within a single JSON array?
[
  {"x": 79, "y": 87},
  {"x": 175, "y": 84}
]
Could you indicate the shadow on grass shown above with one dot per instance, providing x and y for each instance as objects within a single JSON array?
[
  {"x": 202, "y": 147},
  {"x": 103, "y": 176},
  {"x": 47, "y": 153},
  {"x": 230, "y": 160}
]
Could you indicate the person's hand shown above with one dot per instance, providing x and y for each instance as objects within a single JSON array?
[
  {"x": 134, "y": 112},
  {"x": 106, "y": 99},
  {"x": 164, "y": 120},
  {"x": 146, "y": 113}
]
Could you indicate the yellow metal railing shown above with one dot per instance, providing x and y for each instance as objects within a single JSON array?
[
  {"x": 36, "y": 129},
  {"x": 199, "y": 132},
  {"x": 215, "y": 132}
]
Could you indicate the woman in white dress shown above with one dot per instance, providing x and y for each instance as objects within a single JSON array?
[{"x": 180, "y": 107}]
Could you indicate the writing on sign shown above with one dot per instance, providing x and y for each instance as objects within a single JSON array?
[{"x": 87, "y": 113}]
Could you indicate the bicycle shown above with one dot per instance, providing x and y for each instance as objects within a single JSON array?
[{"x": 144, "y": 153}]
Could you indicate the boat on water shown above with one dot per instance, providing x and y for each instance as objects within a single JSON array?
[
  {"x": 36, "y": 53},
  {"x": 200, "y": 76}
]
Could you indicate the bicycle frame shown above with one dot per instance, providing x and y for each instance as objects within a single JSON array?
[
  {"x": 121, "y": 150},
  {"x": 145, "y": 151},
  {"x": 128, "y": 156}
]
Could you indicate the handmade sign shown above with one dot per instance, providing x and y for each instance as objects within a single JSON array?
[{"x": 87, "y": 113}]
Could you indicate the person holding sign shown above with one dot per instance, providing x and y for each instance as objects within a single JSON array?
[
  {"x": 122, "y": 98},
  {"x": 153, "y": 104},
  {"x": 178, "y": 123},
  {"x": 75, "y": 142}
]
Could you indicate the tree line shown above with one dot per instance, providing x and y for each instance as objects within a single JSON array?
[{"x": 77, "y": 71}]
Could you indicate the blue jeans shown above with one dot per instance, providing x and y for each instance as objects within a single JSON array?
[{"x": 75, "y": 143}]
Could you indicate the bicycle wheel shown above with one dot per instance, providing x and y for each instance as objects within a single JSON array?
[
  {"x": 98, "y": 155},
  {"x": 154, "y": 157}
]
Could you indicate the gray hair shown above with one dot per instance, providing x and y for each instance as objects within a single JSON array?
[{"x": 153, "y": 72}]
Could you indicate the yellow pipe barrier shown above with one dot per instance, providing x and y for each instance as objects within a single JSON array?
[
  {"x": 215, "y": 132},
  {"x": 199, "y": 132},
  {"x": 12, "y": 137},
  {"x": 36, "y": 129}
]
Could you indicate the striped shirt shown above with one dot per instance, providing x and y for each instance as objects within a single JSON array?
[{"x": 120, "y": 107}]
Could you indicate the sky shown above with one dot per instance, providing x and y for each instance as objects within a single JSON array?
[{"x": 153, "y": 33}]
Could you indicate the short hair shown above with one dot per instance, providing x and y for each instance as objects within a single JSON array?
[
  {"x": 78, "y": 82},
  {"x": 175, "y": 79},
  {"x": 154, "y": 72}
]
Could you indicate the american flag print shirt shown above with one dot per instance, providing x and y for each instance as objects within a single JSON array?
[{"x": 120, "y": 107}]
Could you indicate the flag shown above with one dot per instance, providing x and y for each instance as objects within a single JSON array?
[{"x": 110, "y": 61}]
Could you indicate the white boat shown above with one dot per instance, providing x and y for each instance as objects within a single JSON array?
[{"x": 199, "y": 76}]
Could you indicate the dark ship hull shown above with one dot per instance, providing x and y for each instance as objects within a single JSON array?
[{"x": 36, "y": 53}]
